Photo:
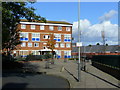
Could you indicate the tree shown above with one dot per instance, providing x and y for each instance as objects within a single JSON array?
[
  {"x": 51, "y": 45},
  {"x": 12, "y": 12},
  {"x": 106, "y": 44},
  {"x": 98, "y": 44}
]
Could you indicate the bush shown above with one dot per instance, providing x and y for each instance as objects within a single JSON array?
[
  {"x": 47, "y": 56},
  {"x": 19, "y": 58},
  {"x": 34, "y": 57},
  {"x": 73, "y": 59}
]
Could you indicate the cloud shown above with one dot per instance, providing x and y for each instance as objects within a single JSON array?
[
  {"x": 91, "y": 34},
  {"x": 108, "y": 16}
]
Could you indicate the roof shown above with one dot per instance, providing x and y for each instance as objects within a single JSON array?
[
  {"x": 97, "y": 48},
  {"x": 53, "y": 22}
]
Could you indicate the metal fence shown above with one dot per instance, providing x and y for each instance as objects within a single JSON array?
[{"x": 112, "y": 61}]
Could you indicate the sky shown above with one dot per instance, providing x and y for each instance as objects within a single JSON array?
[{"x": 93, "y": 17}]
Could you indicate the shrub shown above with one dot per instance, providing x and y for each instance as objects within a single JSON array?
[{"x": 34, "y": 57}]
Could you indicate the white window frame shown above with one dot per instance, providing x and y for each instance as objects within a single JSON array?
[
  {"x": 57, "y": 36},
  {"x": 35, "y": 35},
  {"x": 42, "y": 27},
  {"x": 23, "y": 26},
  {"x": 32, "y": 26},
  {"x": 29, "y": 44},
  {"x": 23, "y": 35},
  {"x": 23, "y": 44},
  {"x": 35, "y": 52},
  {"x": 58, "y": 52},
  {"x": 59, "y": 28},
  {"x": 67, "y": 53},
  {"x": 68, "y": 45},
  {"x": 62, "y": 45},
  {"x": 51, "y": 28},
  {"x": 67, "y": 28},
  {"x": 46, "y": 36},
  {"x": 56, "y": 45},
  {"x": 36, "y": 44},
  {"x": 44, "y": 47}
]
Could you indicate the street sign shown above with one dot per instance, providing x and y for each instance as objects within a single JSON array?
[{"x": 78, "y": 44}]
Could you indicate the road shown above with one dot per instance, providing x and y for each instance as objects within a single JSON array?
[{"x": 19, "y": 80}]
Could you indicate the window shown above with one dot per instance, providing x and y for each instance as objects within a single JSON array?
[
  {"x": 59, "y": 28},
  {"x": 67, "y": 54},
  {"x": 23, "y": 44},
  {"x": 67, "y": 38},
  {"x": 62, "y": 45},
  {"x": 56, "y": 45},
  {"x": 32, "y": 26},
  {"x": 44, "y": 47},
  {"x": 23, "y": 36},
  {"x": 29, "y": 44},
  {"x": 58, "y": 54},
  {"x": 46, "y": 37},
  {"x": 68, "y": 45},
  {"x": 35, "y": 36},
  {"x": 51, "y": 27},
  {"x": 42, "y": 27},
  {"x": 36, "y": 44},
  {"x": 67, "y": 28},
  {"x": 23, "y": 26},
  {"x": 23, "y": 53},
  {"x": 36, "y": 52},
  {"x": 57, "y": 37},
  {"x": 44, "y": 43}
]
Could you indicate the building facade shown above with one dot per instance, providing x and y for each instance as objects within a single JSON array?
[{"x": 35, "y": 35}]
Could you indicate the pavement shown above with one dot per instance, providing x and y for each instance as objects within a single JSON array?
[{"x": 91, "y": 78}]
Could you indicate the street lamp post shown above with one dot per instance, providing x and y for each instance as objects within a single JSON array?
[{"x": 79, "y": 69}]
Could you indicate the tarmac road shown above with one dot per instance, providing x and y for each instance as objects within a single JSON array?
[{"x": 19, "y": 80}]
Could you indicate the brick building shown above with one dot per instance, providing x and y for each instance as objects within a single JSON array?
[{"x": 34, "y": 37}]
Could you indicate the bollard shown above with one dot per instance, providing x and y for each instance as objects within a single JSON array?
[
  {"x": 62, "y": 69},
  {"x": 47, "y": 64}
]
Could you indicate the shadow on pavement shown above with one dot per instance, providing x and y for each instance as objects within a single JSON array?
[
  {"x": 103, "y": 79},
  {"x": 72, "y": 75}
]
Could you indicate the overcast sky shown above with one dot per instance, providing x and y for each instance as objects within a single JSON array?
[{"x": 93, "y": 17}]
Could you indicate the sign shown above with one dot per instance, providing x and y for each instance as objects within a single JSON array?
[{"x": 78, "y": 44}]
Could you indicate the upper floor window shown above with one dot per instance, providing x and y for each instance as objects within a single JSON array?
[
  {"x": 23, "y": 26},
  {"x": 59, "y": 28},
  {"x": 68, "y": 45},
  {"x": 67, "y": 28},
  {"x": 67, "y": 38},
  {"x": 56, "y": 45},
  {"x": 57, "y": 37},
  {"x": 42, "y": 27},
  {"x": 35, "y": 36},
  {"x": 36, "y": 44},
  {"x": 62, "y": 45},
  {"x": 23, "y": 36},
  {"x": 23, "y": 45},
  {"x": 46, "y": 37},
  {"x": 32, "y": 26},
  {"x": 29, "y": 44},
  {"x": 51, "y": 28}
]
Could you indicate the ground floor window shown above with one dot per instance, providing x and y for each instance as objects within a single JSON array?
[
  {"x": 67, "y": 54},
  {"x": 35, "y": 52},
  {"x": 58, "y": 54}
]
